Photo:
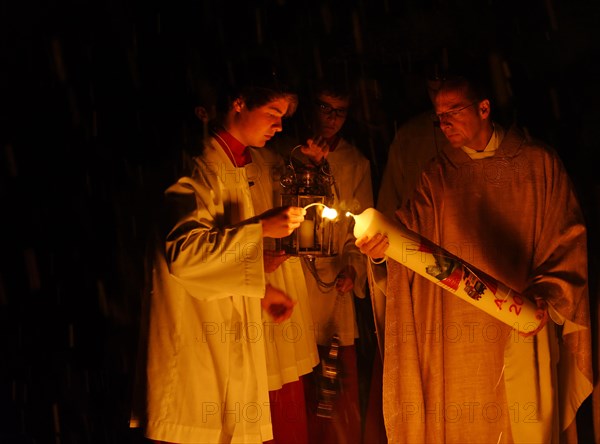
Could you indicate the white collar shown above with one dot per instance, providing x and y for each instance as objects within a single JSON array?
[{"x": 491, "y": 147}]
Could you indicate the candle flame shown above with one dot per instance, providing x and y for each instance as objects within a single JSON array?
[{"x": 328, "y": 213}]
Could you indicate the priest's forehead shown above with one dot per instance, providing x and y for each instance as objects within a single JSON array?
[{"x": 467, "y": 88}]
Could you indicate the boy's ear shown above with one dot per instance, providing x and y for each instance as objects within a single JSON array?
[{"x": 201, "y": 113}]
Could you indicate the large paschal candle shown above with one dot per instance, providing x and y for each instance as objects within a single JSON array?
[{"x": 450, "y": 272}]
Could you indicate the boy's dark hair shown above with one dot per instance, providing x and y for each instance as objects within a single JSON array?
[
  {"x": 335, "y": 81},
  {"x": 258, "y": 81},
  {"x": 333, "y": 87}
]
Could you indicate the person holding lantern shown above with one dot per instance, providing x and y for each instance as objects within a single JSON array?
[{"x": 333, "y": 281}]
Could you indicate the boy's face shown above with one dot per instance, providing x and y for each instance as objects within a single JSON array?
[
  {"x": 331, "y": 114},
  {"x": 255, "y": 127}
]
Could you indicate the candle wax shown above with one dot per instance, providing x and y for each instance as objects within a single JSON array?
[{"x": 449, "y": 271}]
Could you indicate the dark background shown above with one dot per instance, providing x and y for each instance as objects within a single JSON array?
[{"x": 90, "y": 108}]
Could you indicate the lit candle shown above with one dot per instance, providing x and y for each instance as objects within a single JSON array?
[
  {"x": 307, "y": 233},
  {"x": 328, "y": 213},
  {"x": 307, "y": 228},
  {"x": 449, "y": 272}
]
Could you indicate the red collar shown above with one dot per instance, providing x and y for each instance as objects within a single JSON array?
[{"x": 237, "y": 152}]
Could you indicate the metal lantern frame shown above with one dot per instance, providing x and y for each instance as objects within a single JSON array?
[
  {"x": 309, "y": 186},
  {"x": 316, "y": 235}
]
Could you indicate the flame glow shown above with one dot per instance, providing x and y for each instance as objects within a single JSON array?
[{"x": 328, "y": 213}]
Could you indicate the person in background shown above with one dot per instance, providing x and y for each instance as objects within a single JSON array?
[
  {"x": 334, "y": 281},
  {"x": 505, "y": 204},
  {"x": 416, "y": 141},
  {"x": 211, "y": 299}
]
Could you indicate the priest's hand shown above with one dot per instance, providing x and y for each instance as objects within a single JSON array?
[
  {"x": 374, "y": 247},
  {"x": 278, "y": 304}
]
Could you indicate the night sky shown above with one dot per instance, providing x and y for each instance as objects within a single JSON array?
[{"x": 92, "y": 99}]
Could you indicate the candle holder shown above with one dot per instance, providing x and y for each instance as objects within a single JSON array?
[
  {"x": 451, "y": 272},
  {"x": 309, "y": 186}
]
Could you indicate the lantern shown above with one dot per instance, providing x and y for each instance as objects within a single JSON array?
[{"x": 310, "y": 187}]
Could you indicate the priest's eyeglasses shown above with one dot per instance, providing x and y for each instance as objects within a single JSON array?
[
  {"x": 328, "y": 110},
  {"x": 451, "y": 115}
]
